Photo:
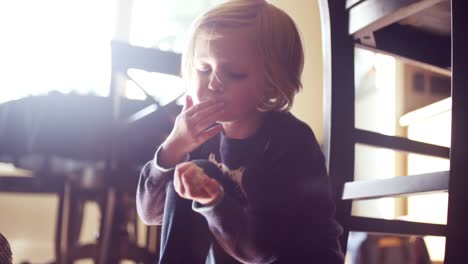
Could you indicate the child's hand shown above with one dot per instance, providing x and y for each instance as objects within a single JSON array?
[
  {"x": 191, "y": 129},
  {"x": 190, "y": 182}
]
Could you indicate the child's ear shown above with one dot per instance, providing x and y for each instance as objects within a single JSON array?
[
  {"x": 267, "y": 100},
  {"x": 269, "y": 95}
]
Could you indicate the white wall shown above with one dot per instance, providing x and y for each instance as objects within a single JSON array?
[
  {"x": 375, "y": 111},
  {"x": 308, "y": 104}
]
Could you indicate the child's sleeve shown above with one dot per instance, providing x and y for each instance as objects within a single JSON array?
[
  {"x": 151, "y": 191},
  {"x": 290, "y": 215}
]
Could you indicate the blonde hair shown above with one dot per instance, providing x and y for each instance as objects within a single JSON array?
[{"x": 278, "y": 44}]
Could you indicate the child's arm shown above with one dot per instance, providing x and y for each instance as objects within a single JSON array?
[
  {"x": 151, "y": 193},
  {"x": 191, "y": 129}
]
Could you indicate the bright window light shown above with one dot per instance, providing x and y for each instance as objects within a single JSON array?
[
  {"x": 164, "y": 24},
  {"x": 55, "y": 45}
]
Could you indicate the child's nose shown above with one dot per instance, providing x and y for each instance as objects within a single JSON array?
[{"x": 215, "y": 84}]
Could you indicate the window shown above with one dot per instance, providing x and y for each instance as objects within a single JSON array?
[{"x": 55, "y": 45}]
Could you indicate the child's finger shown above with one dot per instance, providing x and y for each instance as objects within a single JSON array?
[
  {"x": 189, "y": 187},
  {"x": 212, "y": 187},
  {"x": 190, "y": 172},
  {"x": 182, "y": 167},
  {"x": 188, "y": 103},
  {"x": 209, "y": 120},
  {"x": 210, "y": 132},
  {"x": 198, "y": 107},
  {"x": 207, "y": 111},
  {"x": 178, "y": 187},
  {"x": 193, "y": 176},
  {"x": 181, "y": 171}
]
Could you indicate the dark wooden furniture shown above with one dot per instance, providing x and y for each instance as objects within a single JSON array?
[
  {"x": 428, "y": 33},
  {"x": 111, "y": 136}
]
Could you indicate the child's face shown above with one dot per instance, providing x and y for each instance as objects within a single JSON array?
[{"x": 227, "y": 69}]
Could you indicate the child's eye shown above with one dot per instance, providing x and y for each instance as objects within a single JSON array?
[
  {"x": 203, "y": 69},
  {"x": 237, "y": 76}
]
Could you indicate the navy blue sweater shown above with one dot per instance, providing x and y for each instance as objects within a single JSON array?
[{"x": 278, "y": 208}]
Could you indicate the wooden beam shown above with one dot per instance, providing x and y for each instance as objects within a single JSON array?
[
  {"x": 351, "y": 3},
  {"x": 398, "y": 186},
  {"x": 125, "y": 56},
  {"x": 415, "y": 44},
  {"x": 425, "y": 66},
  {"x": 398, "y": 143},
  {"x": 371, "y": 15},
  {"x": 384, "y": 226},
  {"x": 457, "y": 218}
]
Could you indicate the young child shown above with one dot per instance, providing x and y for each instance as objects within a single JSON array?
[{"x": 240, "y": 179}]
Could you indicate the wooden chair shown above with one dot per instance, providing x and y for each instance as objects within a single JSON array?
[
  {"x": 373, "y": 24},
  {"x": 111, "y": 130},
  {"x": 112, "y": 182}
]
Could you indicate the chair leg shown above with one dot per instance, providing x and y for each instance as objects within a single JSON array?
[
  {"x": 63, "y": 219},
  {"x": 107, "y": 227},
  {"x": 58, "y": 228},
  {"x": 67, "y": 250}
]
